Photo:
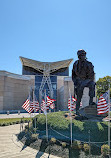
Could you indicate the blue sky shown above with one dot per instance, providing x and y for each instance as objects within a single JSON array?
[{"x": 53, "y": 30}]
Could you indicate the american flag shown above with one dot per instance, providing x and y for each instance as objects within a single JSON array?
[
  {"x": 34, "y": 105},
  {"x": 50, "y": 102},
  {"x": 26, "y": 106},
  {"x": 74, "y": 99},
  {"x": 43, "y": 108},
  {"x": 71, "y": 103},
  {"x": 103, "y": 106}
]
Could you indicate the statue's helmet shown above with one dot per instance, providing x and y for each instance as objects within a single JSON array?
[{"x": 81, "y": 51}]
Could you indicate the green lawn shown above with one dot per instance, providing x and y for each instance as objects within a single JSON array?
[
  {"x": 10, "y": 121},
  {"x": 58, "y": 122}
]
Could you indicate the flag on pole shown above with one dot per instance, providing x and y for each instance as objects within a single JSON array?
[
  {"x": 71, "y": 103},
  {"x": 34, "y": 105},
  {"x": 26, "y": 106},
  {"x": 74, "y": 99},
  {"x": 43, "y": 108},
  {"x": 50, "y": 102},
  {"x": 102, "y": 105}
]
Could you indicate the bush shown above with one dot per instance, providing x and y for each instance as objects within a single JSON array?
[
  {"x": 63, "y": 144},
  {"x": 86, "y": 148},
  {"x": 53, "y": 140},
  {"x": 17, "y": 122},
  {"x": 105, "y": 149},
  {"x": 76, "y": 145},
  {"x": 34, "y": 136}
]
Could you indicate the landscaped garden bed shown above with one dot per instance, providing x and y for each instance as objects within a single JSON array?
[{"x": 59, "y": 136}]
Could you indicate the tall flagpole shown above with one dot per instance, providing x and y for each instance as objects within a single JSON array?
[
  {"x": 70, "y": 116},
  {"x": 46, "y": 117},
  {"x": 34, "y": 107},
  {"x": 29, "y": 101},
  {"x": 109, "y": 115}
]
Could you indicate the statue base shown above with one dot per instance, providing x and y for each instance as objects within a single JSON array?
[{"x": 91, "y": 112}]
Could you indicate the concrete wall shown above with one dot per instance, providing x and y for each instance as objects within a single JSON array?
[
  {"x": 68, "y": 88},
  {"x": 60, "y": 94},
  {"x": 14, "y": 90},
  {"x": 63, "y": 85},
  {"x": 1, "y": 91}
]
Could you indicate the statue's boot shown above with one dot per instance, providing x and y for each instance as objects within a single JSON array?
[{"x": 91, "y": 101}]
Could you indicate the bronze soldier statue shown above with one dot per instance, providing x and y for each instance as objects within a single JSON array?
[{"x": 83, "y": 76}]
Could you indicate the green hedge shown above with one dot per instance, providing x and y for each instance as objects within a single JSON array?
[{"x": 11, "y": 121}]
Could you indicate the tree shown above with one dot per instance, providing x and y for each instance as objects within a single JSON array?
[{"x": 102, "y": 85}]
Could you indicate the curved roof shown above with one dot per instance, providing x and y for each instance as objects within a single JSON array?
[{"x": 45, "y": 66}]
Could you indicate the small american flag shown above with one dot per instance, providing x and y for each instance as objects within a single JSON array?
[
  {"x": 103, "y": 106},
  {"x": 26, "y": 106},
  {"x": 34, "y": 105},
  {"x": 50, "y": 102},
  {"x": 71, "y": 103},
  {"x": 43, "y": 108}
]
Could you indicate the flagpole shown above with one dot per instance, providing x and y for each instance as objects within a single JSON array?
[
  {"x": 46, "y": 118},
  {"x": 109, "y": 116},
  {"x": 70, "y": 116},
  {"x": 29, "y": 101},
  {"x": 34, "y": 107}
]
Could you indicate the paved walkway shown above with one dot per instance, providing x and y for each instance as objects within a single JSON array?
[
  {"x": 10, "y": 147},
  {"x": 21, "y": 115}
]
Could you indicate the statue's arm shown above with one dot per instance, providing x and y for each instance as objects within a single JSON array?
[
  {"x": 73, "y": 73},
  {"x": 91, "y": 72}
]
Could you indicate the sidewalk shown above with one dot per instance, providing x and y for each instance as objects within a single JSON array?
[
  {"x": 10, "y": 147},
  {"x": 21, "y": 115}
]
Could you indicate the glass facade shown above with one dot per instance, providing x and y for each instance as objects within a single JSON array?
[
  {"x": 30, "y": 71},
  {"x": 38, "y": 80}
]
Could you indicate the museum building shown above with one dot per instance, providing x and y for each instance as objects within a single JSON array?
[{"x": 35, "y": 79}]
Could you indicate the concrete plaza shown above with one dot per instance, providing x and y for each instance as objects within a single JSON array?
[{"x": 10, "y": 147}]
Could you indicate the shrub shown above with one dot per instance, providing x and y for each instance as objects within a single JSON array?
[
  {"x": 34, "y": 136},
  {"x": 86, "y": 148},
  {"x": 63, "y": 144},
  {"x": 76, "y": 145},
  {"x": 53, "y": 140},
  {"x": 17, "y": 122},
  {"x": 105, "y": 149},
  {"x": 34, "y": 129}
]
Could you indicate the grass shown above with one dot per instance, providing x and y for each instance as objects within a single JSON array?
[
  {"x": 58, "y": 122},
  {"x": 10, "y": 121}
]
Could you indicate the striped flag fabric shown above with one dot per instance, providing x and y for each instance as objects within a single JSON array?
[
  {"x": 43, "y": 105},
  {"x": 102, "y": 105},
  {"x": 34, "y": 105},
  {"x": 74, "y": 99},
  {"x": 50, "y": 102},
  {"x": 71, "y": 103},
  {"x": 26, "y": 106}
]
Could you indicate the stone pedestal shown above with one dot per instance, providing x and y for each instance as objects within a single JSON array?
[
  {"x": 85, "y": 98},
  {"x": 91, "y": 110}
]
